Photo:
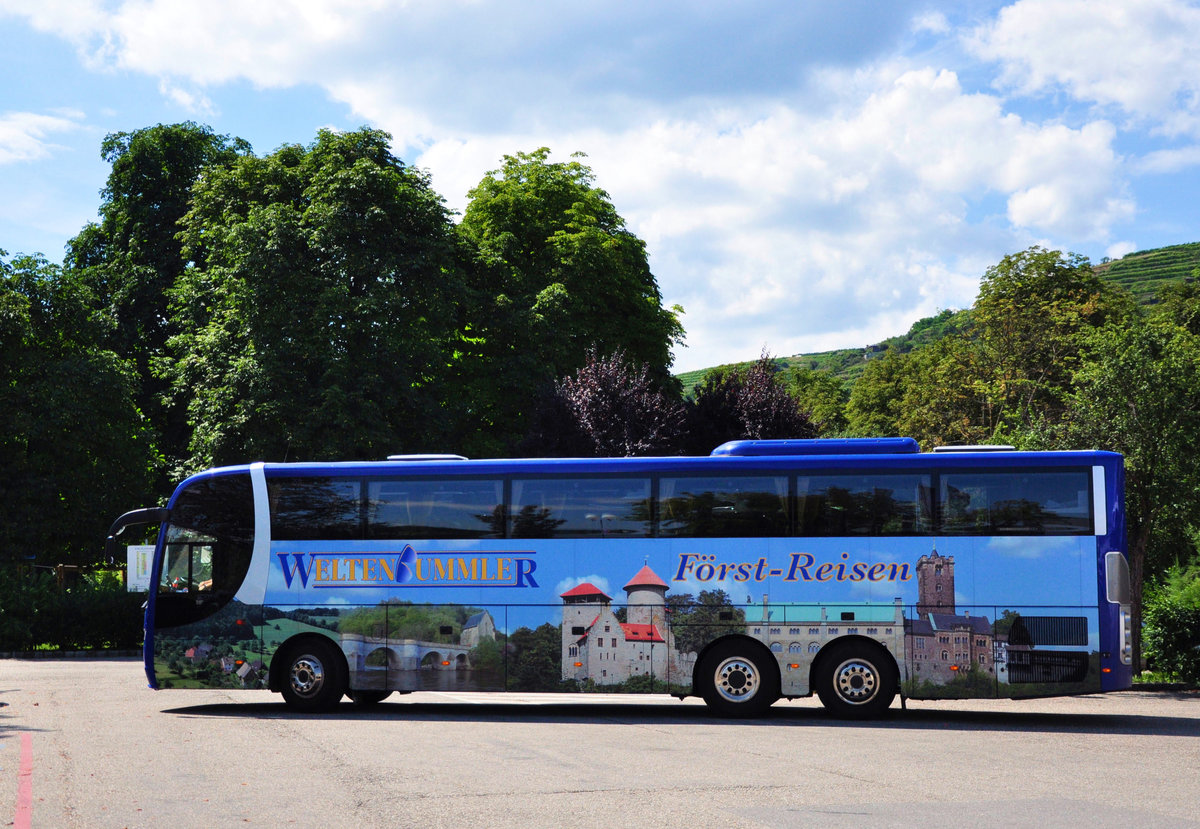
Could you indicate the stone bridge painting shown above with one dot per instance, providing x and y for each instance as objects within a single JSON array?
[{"x": 378, "y": 662}]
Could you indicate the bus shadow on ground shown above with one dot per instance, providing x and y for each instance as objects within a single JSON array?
[{"x": 651, "y": 714}]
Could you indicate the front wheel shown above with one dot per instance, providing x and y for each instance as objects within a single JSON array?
[
  {"x": 738, "y": 679},
  {"x": 314, "y": 676},
  {"x": 856, "y": 681}
]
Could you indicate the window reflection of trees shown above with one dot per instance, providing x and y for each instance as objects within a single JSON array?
[
  {"x": 857, "y": 505},
  {"x": 323, "y": 508},
  {"x": 581, "y": 508},
  {"x": 534, "y": 522},
  {"x": 451, "y": 508},
  {"x": 724, "y": 509},
  {"x": 1017, "y": 503}
]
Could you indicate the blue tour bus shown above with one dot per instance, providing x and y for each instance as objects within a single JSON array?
[{"x": 855, "y": 569}]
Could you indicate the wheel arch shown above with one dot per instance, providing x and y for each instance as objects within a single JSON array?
[
  {"x": 828, "y": 649},
  {"x": 277, "y": 668},
  {"x": 750, "y": 642}
]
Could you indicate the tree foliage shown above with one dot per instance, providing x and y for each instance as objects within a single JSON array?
[
  {"x": 74, "y": 448},
  {"x": 607, "y": 408},
  {"x": 319, "y": 317},
  {"x": 749, "y": 403},
  {"x": 556, "y": 274},
  {"x": 1139, "y": 394},
  {"x": 129, "y": 260}
]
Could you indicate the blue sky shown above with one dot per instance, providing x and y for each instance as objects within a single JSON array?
[{"x": 806, "y": 175}]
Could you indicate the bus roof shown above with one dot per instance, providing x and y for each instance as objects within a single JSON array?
[{"x": 741, "y": 456}]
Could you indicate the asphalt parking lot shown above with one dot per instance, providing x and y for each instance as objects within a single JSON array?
[{"x": 83, "y": 743}]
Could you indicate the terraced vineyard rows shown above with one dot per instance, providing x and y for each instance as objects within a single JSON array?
[{"x": 1144, "y": 272}]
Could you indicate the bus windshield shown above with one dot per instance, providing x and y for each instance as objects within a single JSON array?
[{"x": 207, "y": 548}]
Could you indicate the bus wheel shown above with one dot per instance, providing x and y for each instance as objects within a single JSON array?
[
  {"x": 736, "y": 679},
  {"x": 367, "y": 697},
  {"x": 856, "y": 681},
  {"x": 314, "y": 676}
]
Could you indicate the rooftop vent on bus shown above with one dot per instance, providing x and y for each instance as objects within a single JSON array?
[
  {"x": 419, "y": 458},
  {"x": 827, "y": 446}
]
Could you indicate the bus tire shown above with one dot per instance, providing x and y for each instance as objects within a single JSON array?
[
  {"x": 367, "y": 696},
  {"x": 856, "y": 680},
  {"x": 738, "y": 678},
  {"x": 314, "y": 675}
]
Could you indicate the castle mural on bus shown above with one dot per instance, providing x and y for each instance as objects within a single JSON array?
[
  {"x": 599, "y": 648},
  {"x": 940, "y": 620}
]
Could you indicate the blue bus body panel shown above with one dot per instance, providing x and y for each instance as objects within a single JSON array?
[{"x": 439, "y": 614}]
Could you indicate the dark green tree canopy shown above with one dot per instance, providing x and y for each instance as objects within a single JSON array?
[
  {"x": 74, "y": 449},
  {"x": 131, "y": 257},
  {"x": 318, "y": 317},
  {"x": 557, "y": 273}
]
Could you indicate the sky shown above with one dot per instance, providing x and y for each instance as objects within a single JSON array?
[{"x": 806, "y": 175}]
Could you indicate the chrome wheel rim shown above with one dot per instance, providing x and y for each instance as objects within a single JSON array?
[
  {"x": 856, "y": 681},
  {"x": 737, "y": 679},
  {"x": 307, "y": 676}
]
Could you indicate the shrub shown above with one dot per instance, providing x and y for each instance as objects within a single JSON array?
[
  {"x": 1172, "y": 632},
  {"x": 95, "y": 613}
]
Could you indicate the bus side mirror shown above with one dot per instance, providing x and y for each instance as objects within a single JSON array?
[{"x": 150, "y": 515}]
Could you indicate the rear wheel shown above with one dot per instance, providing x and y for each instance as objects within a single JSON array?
[
  {"x": 314, "y": 675},
  {"x": 856, "y": 681},
  {"x": 738, "y": 679}
]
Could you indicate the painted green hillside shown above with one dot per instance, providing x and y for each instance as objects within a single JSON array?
[{"x": 1141, "y": 273}]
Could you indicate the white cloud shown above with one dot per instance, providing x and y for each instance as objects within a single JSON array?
[
  {"x": 799, "y": 186},
  {"x": 23, "y": 135},
  {"x": 1139, "y": 56},
  {"x": 933, "y": 22},
  {"x": 192, "y": 102},
  {"x": 1170, "y": 161},
  {"x": 594, "y": 580},
  {"x": 1119, "y": 249},
  {"x": 798, "y": 233},
  {"x": 1025, "y": 547}
]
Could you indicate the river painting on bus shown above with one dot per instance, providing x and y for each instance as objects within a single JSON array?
[{"x": 1002, "y": 616}]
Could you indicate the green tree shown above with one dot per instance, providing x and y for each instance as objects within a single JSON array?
[
  {"x": 874, "y": 406},
  {"x": 535, "y": 659},
  {"x": 129, "y": 259},
  {"x": 750, "y": 402},
  {"x": 822, "y": 395},
  {"x": 1173, "y": 621},
  {"x": 1029, "y": 322},
  {"x": 1139, "y": 394},
  {"x": 697, "y": 621},
  {"x": 74, "y": 448},
  {"x": 557, "y": 273},
  {"x": 1008, "y": 374},
  {"x": 320, "y": 314}
]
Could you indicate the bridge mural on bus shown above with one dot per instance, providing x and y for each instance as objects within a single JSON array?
[{"x": 963, "y": 616}]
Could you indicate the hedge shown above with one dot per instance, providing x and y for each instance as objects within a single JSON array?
[{"x": 97, "y": 613}]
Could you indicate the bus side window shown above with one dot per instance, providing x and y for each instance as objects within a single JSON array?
[
  {"x": 315, "y": 508},
  {"x": 730, "y": 507},
  {"x": 581, "y": 508},
  {"x": 1016, "y": 502},
  {"x": 417, "y": 508},
  {"x": 871, "y": 505}
]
